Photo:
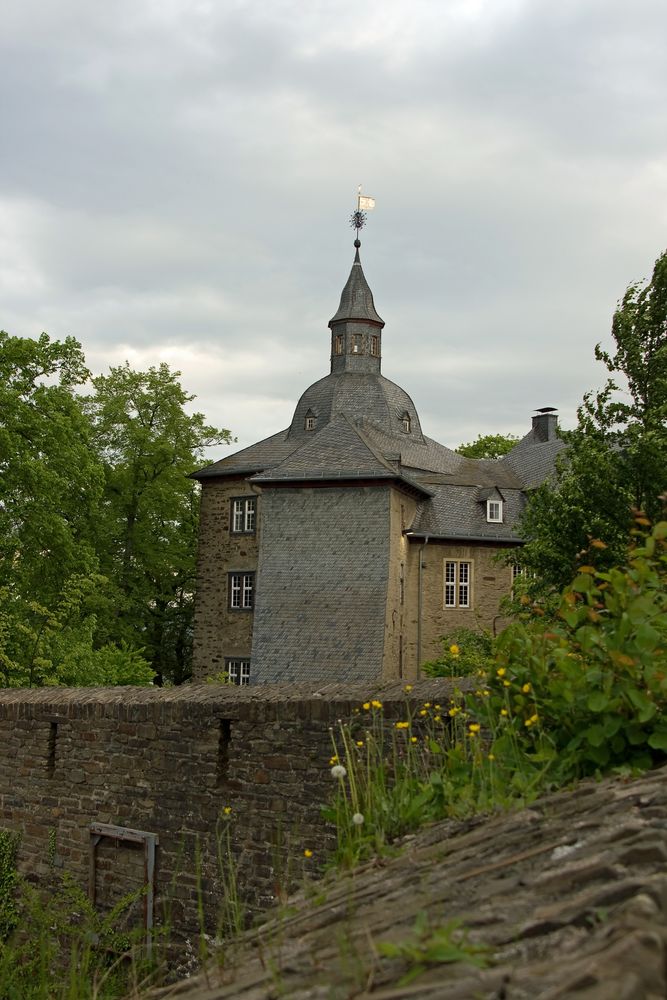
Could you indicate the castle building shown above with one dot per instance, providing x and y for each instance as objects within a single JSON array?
[{"x": 345, "y": 546}]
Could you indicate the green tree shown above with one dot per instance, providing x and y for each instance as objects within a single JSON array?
[
  {"x": 488, "y": 446},
  {"x": 147, "y": 536},
  {"x": 616, "y": 460}
]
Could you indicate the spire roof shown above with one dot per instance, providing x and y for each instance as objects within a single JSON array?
[{"x": 356, "y": 301}]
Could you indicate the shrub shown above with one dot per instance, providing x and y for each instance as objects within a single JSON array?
[{"x": 464, "y": 652}]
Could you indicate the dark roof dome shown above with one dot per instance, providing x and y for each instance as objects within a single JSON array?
[{"x": 369, "y": 399}]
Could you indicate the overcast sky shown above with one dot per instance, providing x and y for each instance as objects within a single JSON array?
[{"x": 176, "y": 180}]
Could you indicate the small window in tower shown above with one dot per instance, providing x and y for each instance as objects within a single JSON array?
[
  {"x": 375, "y": 345},
  {"x": 406, "y": 422},
  {"x": 356, "y": 343},
  {"x": 310, "y": 423},
  {"x": 338, "y": 344}
]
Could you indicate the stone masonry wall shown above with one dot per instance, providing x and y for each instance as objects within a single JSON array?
[
  {"x": 218, "y": 631},
  {"x": 167, "y": 762},
  {"x": 491, "y": 582}
]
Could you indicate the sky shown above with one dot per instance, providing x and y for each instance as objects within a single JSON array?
[{"x": 177, "y": 177}]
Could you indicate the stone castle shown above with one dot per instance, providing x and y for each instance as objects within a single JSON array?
[{"x": 343, "y": 547}]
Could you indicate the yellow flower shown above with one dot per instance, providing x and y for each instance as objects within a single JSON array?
[
  {"x": 526, "y": 688},
  {"x": 436, "y": 718},
  {"x": 227, "y": 810},
  {"x": 474, "y": 727},
  {"x": 486, "y": 693},
  {"x": 413, "y": 739},
  {"x": 334, "y": 759},
  {"x": 504, "y": 712},
  {"x": 423, "y": 712},
  {"x": 453, "y": 712},
  {"x": 407, "y": 688},
  {"x": 402, "y": 725},
  {"x": 437, "y": 708},
  {"x": 492, "y": 756},
  {"x": 360, "y": 743},
  {"x": 366, "y": 706},
  {"x": 427, "y": 704},
  {"x": 454, "y": 649},
  {"x": 501, "y": 671},
  {"x": 506, "y": 684},
  {"x": 534, "y": 718},
  {"x": 376, "y": 704},
  {"x": 307, "y": 853}
]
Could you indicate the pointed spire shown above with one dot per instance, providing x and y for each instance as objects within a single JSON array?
[{"x": 356, "y": 301}]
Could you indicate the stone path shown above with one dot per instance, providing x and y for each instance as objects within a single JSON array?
[{"x": 569, "y": 897}]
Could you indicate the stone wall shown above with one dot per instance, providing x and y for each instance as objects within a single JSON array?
[
  {"x": 219, "y": 631},
  {"x": 168, "y": 762},
  {"x": 491, "y": 582}
]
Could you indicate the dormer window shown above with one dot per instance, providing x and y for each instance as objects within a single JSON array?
[
  {"x": 494, "y": 511},
  {"x": 310, "y": 421},
  {"x": 406, "y": 423}
]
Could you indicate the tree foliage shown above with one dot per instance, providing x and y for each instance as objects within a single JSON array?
[
  {"x": 616, "y": 460},
  {"x": 488, "y": 446},
  {"x": 98, "y": 520},
  {"x": 149, "y": 444}
]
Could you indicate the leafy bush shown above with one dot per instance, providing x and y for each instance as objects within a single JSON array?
[
  {"x": 464, "y": 652},
  {"x": 594, "y": 681}
]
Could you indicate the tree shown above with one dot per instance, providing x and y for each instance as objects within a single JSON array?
[
  {"x": 488, "y": 446},
  {"x": 616, "y": 462},
  {"x": 146, "y": 542}
]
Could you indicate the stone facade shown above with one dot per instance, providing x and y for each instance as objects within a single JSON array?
[{"x": 222, "y": 633}]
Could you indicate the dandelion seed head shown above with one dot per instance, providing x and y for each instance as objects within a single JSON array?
[{"x": 338, "y": 771}]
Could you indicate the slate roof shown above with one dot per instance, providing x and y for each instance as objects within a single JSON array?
[
  {"x": 359, "y": 435},
  {"x": 356, "y": 301},
  {"x": 533, "y": 461}
]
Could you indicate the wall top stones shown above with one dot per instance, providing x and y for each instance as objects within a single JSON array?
[{"x": 265, "y": 702}]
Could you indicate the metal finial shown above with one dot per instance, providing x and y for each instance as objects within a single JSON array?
[{"x": 358, "y": 219}]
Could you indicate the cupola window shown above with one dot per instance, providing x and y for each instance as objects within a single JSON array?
[
  {"x": 338, "y": 344},
  {"x": 406, "y": 423},
  {"x": 356, "y": 343},
  {"x": 310, "y": 421},
  {"x": 375, "y": 345}
]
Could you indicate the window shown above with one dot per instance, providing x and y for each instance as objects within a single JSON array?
[
  {"x": 338, "y": 344},
  {"x": 238, "y": 671},
  {"x": 310, "y": 421},
  {"x": 241, "y": 591},
  {"x": 457, "y": 584},
  {"x": 406, "y": 422},
  {"x": 494, "y": 510},
  {"x": 375, "y": 345},
  {"x": 244, "y": 511},
  {"x": 356, "y": 343}
]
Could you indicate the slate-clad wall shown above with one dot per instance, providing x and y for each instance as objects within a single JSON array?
[
  {"x": 322, "y": 585},
  {"x": 218, "y": 631}
]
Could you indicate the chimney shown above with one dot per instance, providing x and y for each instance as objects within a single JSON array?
[{"x": 545, "y": 422}]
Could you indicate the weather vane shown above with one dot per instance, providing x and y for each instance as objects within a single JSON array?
[{"x": 358, "y": 218}]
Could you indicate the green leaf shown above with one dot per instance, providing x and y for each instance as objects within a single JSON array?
[{"x": 598, "y": 701}]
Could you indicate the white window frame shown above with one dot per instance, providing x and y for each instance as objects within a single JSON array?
[
  {"x": 406, "y": 423},
  {"x": 238, "y": 670},
  {"x": 241, "y": 591},
  {"x": 309, "y": 422},
  {"x": 244, "y": 515},
  {"x": 457, "y": 584},
  {"x": 357, "y": 343},
  {"x": 494, "y": 507}
]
